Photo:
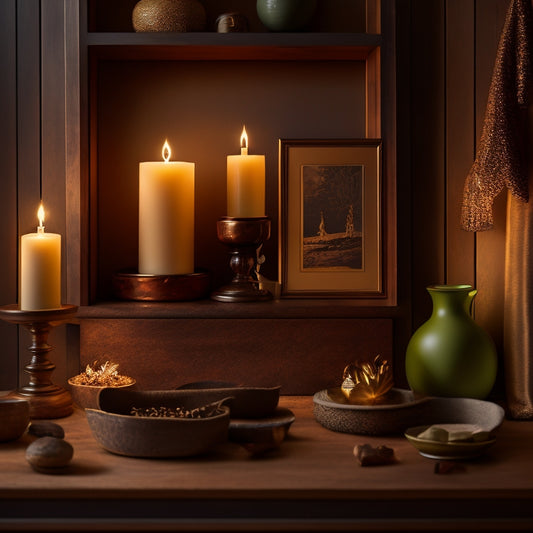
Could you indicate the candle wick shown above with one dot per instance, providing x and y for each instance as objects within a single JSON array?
[
  {"x": 244, "y": 150},
  {"x": 40, "y": 228}
]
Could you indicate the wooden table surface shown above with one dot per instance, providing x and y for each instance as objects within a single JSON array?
[{"x": 312, "y": 483}]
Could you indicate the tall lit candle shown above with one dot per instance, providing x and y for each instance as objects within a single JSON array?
[
  {"x": 245, "y": 183},
  {"x": 166, "y": 216},
  {"x": 40, "y": 269}
]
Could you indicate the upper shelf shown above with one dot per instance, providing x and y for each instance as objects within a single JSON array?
[{"x": 232, "y": 46}]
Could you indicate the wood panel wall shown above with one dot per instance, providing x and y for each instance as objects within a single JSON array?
[
  {"x": 8, "y": 187},
  {"x": 453, "y": 49}
]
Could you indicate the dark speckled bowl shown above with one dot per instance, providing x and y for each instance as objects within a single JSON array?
[
  {"x": 119, "y": 432},
  {"x": 248, "y": 402},
  {"x": 403, "y": 411},
  {"x": 380, "y": 419}
]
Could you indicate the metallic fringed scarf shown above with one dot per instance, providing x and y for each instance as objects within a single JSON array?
[{"x": 501, "y": 155}]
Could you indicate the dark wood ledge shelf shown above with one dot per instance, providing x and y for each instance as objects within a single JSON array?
[
  {"x": 285, "y": 308},
  {"x": 234, "y": 46},
  {"x": 312, "y": 483}
]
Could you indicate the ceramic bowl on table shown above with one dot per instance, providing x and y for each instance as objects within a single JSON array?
[
  {"x": 446, "y": 450},
  {"x": 86, "y": 396},
  {"x": 248, "y": 402},
  {"x": 486, "y": 417},
  {"x": 122, "y": 433},
  {"x": 400, "y": 410},
  {"x": 263, "y": 434},
  {"x": 14, "y": 418}
]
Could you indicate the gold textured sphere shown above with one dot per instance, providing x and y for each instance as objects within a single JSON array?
[{"x": 168, "y": 16}]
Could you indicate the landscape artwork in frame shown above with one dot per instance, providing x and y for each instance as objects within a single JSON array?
[{"x": 330, "y": 218}]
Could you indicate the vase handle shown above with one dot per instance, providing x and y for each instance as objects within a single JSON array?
[{"x": 470, "y": 301}]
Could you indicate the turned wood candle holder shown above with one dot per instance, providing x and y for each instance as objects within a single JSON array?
[
  {"x": 244, "y": 237},
  {"x": 46, "y": 399}
]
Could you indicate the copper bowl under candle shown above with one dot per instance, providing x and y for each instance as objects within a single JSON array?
[{"x": 130, "y": 285}]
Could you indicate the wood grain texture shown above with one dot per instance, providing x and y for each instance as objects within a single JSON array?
[
  {"x": 301, "y": 355},
  {"x": 8, "y": 187},
  {"x": 28, "y": 132},
  {"x": 312, "y": 483},
  {"x": 460, "y": 135},
  {"x": 427, "y": 152},
  {"x": 490, "y": 249}
]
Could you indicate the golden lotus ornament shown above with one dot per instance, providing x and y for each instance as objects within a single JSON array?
[{"x": 367, "y": 383}]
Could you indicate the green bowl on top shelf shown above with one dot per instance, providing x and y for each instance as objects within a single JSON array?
[{"x": 285, "y": 15}]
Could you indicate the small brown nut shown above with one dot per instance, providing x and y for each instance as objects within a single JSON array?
[
  {"x": 49, "y": 453},
  {"x": 370, "y": 456},
  {"x": 46, "y": 429}
]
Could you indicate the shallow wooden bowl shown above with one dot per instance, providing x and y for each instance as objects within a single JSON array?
[
  {"x": 119, "y": 432},
  {"x": 86, "y": 396},
  {"x": 14, "y": 418}
]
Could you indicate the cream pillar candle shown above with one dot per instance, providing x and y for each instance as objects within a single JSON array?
[
  {"x": 166, "y": 216},
  {"x": 40, "y": 269},
  {"x": 245, "y": 183}
]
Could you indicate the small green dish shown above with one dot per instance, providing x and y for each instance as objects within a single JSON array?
[{"x": 446, "y": 450}]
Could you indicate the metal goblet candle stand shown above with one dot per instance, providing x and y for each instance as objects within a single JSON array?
[
  {"x": 244, "y": 237},
  {"x": 46, "y": 399}
]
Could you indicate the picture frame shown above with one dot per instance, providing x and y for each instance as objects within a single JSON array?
[{"x": 331, "y": 218}]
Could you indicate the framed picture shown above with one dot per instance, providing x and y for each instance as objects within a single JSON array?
[{"x": 330, "y": 218}]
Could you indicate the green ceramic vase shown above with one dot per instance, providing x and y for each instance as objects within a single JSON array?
[
  {"x": 285, "y": 15},
  {"x": 450, "y": 355}
]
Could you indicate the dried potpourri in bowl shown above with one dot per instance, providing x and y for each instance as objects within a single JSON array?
[{"x": 86, "y": 386}]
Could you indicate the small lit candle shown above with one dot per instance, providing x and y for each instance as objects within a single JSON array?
[
  {"x": 166, "y": 216},
  {"x": 245, "y": 183},
  {"x": 40, "y": 269}
]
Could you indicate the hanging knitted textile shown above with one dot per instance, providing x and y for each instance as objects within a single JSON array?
[{"x": 501, "y": 154}]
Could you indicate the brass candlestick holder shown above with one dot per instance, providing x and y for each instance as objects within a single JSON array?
[
  {"x": 244, "y": 237},
  {"x": 46, "y": 399}
]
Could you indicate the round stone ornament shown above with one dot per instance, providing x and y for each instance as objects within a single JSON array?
[
  {"x": 49, "y": 454},
  {"x": 168, "y": 16}
]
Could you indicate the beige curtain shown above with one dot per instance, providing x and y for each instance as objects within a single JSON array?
[
  {"x": 502, "y": 161},
  {"x": 518, "y": 312}
]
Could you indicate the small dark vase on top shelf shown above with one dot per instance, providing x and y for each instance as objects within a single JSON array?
[{"x": 285, "y": 15}]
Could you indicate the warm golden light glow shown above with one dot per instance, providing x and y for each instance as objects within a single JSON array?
[
  {"x": 40, "y": 216},
  {"x": 366, "y": 383},
  {"x": 244, "y": 141},
  {"x": 166, "y": 151}
]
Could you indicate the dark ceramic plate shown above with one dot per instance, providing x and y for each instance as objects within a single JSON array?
[
  {"x": 248, "y": 402},
  {"x": 119, "y": 432},
  {"x": 261, "y": 435}
]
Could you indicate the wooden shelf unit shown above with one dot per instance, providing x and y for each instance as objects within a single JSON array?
[{"x": 354, "y": 69}]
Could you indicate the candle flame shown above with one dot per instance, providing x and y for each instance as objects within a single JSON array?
[
  {"x": 40, "y": 216},
  {"x": 244, "y": 138},
  {"x": 166, "y": 151}
]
